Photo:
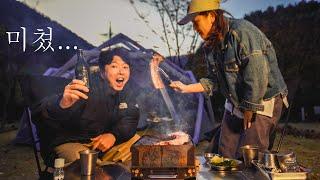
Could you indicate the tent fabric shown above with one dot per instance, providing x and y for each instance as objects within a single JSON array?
[{"x": 23, "y": 135}]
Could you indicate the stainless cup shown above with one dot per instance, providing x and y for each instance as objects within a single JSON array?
[
  {"x": 89, "y": 177},
  {"x": 249, "y": 153},
  {"x": 269, "y": 160},
  {"x": 88, "y": 160}
]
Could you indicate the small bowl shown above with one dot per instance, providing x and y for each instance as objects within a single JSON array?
[{"x": 208, "y": 156}]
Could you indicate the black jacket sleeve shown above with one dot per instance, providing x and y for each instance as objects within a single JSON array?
[{"x": 51, "y": 109}]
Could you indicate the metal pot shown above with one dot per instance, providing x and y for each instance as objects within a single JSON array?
[
  {"x": 269, "y": 160},
  {"x": 286, "y": 160}
]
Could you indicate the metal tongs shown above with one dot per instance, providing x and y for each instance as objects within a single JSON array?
[{"x": 164, "y": 74}]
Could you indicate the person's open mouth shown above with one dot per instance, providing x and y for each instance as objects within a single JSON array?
[{"x": 120, "y": 81}]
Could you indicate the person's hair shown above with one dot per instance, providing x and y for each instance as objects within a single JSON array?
[
  {"x": 106, "y": 56},
  {"x": 219, "y": 27}
]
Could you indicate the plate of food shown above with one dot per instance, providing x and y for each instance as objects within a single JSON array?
[{"x": 219, "y": 163}]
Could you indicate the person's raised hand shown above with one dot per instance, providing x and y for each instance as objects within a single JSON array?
[{"x": 74, "y": 91}]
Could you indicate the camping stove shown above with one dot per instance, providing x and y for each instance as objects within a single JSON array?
[{"x": 150, "y": 161}]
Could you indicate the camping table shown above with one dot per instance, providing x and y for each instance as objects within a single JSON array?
[{"x": 118, "y": 171}]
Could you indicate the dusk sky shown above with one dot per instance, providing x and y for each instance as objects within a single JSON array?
[{"x": 90, "y": 18}]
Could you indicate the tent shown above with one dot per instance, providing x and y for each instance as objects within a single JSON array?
[{"x": 193, "y": 117}]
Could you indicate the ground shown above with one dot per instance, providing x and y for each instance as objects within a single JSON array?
[{"x": 18, "y": 162}]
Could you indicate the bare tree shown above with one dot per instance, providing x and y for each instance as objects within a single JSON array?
[{"x": 173, "y": 35}]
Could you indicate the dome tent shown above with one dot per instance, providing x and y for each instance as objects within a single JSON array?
[{"x": 189, "y": 107}]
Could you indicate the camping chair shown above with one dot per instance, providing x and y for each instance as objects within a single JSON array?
[
  {"x": 34, "y": 89},
  {"x": 35, "y": 139}
]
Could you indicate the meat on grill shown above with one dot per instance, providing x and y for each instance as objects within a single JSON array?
[{"x": 176, "y": 138}]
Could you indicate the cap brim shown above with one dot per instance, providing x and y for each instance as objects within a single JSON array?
[{"x": 187, "y": 18}]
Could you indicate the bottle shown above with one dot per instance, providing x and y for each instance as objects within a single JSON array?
[
  {"x": 58, "y": 173},
  {"x": 82, "y": 69}
]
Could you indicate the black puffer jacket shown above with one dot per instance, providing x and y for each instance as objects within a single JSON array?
[{"x": 105, "y": 111}]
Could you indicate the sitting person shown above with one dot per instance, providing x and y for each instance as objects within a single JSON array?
[{"x": 96, "y": 118}]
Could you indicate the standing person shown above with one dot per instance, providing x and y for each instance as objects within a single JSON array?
[
  {"x": 242, "y": 65},
  {"x": 100, "y": 117}
]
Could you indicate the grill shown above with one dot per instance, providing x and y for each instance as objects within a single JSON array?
[{"x": 151, "y": 161}]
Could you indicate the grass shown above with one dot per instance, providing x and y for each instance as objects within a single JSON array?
[
  {"x": 304, "y": 126},
  {"x": 16, "y": 162}
]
